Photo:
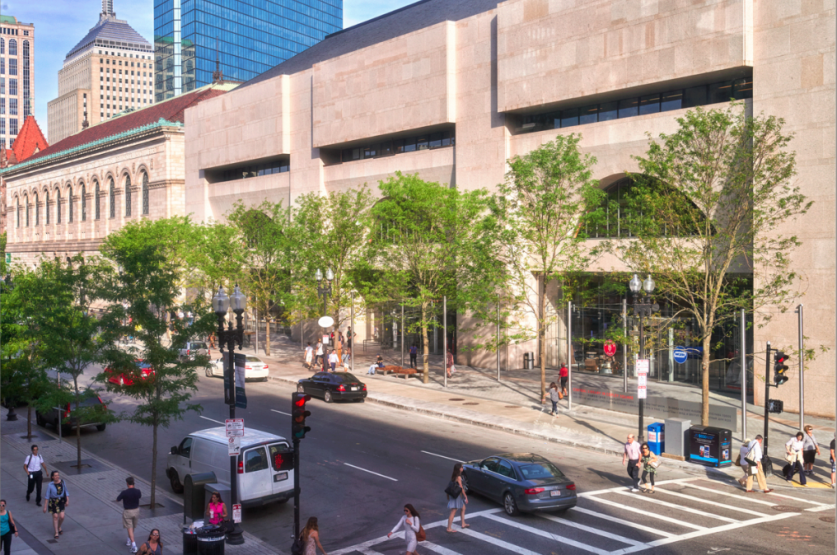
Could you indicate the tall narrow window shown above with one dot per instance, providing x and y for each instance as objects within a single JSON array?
[
  {"x": 145, "y": 207},
  {"x": 96, "y": 199},
  {"x": 12, "y": 47},
  {"x": 57, "y": 205},
  {"x": 70, "y": 204},
  {"x": 17, "y": 211},
  {"x": 46, "y": 207},
  {"x": 83, "y": 202},
  {"x": 26, "y": 200},
  {"x": 2, "y": 46},
  {"x": 37, "y": 211},
  {"x": 112, "y": 195},
  {"x": 27, "y": 108},
  {"x": 127, "y": 195}
]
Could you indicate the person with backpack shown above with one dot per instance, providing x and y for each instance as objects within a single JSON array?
[
  {"x": 413, "y": 532},
  {"x": 413, "y": 355},
  {"x": 457, "y": 498},
  {"x": 57, "y": 499},
  {"x": 35, "y": 467}
]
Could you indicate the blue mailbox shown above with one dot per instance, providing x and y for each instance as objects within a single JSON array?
[{"x": 656, "y": 438}]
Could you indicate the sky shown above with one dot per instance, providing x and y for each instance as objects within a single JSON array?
[{"x": 60, "y": 24}]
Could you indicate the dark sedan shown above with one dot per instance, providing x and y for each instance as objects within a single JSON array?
[
  {"x": 522, "y": 482},
  {"x": 334, "y": 386}
]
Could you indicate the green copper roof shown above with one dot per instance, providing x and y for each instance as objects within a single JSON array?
[{"x": 8, "y": 19}]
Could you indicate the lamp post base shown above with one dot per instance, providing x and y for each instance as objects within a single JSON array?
[
  {"x": 12, "y": 415},
  {"x": 236, "y": 537}
]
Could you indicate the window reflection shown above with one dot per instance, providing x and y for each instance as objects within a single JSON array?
[{"x": 388, "y": 147}]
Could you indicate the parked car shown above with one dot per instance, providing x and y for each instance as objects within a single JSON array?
[
  {"x": 254, "y": 368},
  {"x": 334, "y": 386},
  {"x": 194, "y": 348},
  {"x": 53, "y": 418},
  {"x": 265, "y": 465},
  {"x": 121, "y": 379},
  {"x": 522, "y": 482}
]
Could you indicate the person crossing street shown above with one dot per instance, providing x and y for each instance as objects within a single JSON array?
[
  {"x": 631, "y": 456},
  {"x": 753, "y": 459}
]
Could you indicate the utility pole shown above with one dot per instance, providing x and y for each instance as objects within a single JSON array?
[
  {"x": 498, "y": 338},
  {"x": 570, "y": 355},
  {"x": 625, "y": 346},
  {"x": 743, "y": 355},
  {"x": 445, "y": 338},
  {"x": 801, "y": 372},
  {"x": 765, "y": 461}
]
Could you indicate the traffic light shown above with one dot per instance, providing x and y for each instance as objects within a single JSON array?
[
  {"x": 780, "y": 368},
  {"x": 283, "y": 461},
  {"x": 298, "y": 415}
]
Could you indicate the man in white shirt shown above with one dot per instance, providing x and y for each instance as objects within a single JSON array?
[
  {"x": 631, "y": 456},
  {"x": 35, "y": 467},
  {"x": 755, "y": 455},
  {"x": 742, "y": 458}
]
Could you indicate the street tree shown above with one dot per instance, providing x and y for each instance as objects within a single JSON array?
[
  {"x": 141, "y": 286},
  {"x": 544, "y": 208},
  {"x": 711, "y": 216}
]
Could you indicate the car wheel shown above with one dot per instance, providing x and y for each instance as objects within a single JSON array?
[
  {"x": 101, "y": 427},
  {"x": 176, "y": 486},
  {"x": 209, "y": 372},
  {"x": 328, "y": 397},
  {"x": 300, "y": 389},
  {"x": 509, "y": 504}
]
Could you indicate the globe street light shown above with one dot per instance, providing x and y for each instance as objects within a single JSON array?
[{"x": 644, "y": 308}]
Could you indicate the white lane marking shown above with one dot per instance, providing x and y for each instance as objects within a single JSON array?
[
  {"x": 590, "y": 529},
  {"x": 679, "y": 507},
  {"x": 545, "y": 534},
  {"x": 441, "y": 456},
  {"x": 367, "y": 551},
  {"x": 280, "y": 412},
  {"x": 370, "y": 472},
  {"x": 721, "y": 505},
  {"x": 735, "y": 495},
  {"x": 647, "y": 514},
  {"x": 823, "y": 508},
  {"x": 774, "y": 494},
  {"x": 438, "y": 548},
  {"x": 623, "y": 522},
  {"x": 211, "y": 420},
  {"x": 499, "y": 543},
  {"x": 624, "y": 488}
]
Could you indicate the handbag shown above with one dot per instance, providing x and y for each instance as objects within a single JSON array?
[
  {"x": 655, "y": 464},
  {"x": 297, "y": 547},
  {"x": 422, "y": 535},
  {"x": 737, "y": 461},
  {"x": 453, "y": 489}
]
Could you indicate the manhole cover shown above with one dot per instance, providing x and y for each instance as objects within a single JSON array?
[
  {"x": 470, "y": 403},
  {"x": 786, "y": 509},
  {"x": 827, "y": 519},
  {"x": 512, "y": 406},
  {"x": 456, "y": 399}
]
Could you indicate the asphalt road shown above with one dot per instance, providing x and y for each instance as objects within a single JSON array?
[{"x": 397, "y": 457}]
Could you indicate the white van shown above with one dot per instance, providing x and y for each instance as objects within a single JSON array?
[{"x": 261, "y": 479}]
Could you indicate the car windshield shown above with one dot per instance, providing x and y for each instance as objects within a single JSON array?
[
  {"x": 254, "y": 359},
  {"x": 199, "y": 345},
  {"x": 346, "y": 377},
  {"x": 143, "y": 365},
  {"x": 540, "y": 471}
]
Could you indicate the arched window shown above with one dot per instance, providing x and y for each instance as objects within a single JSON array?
[
  {"x": 145, "y": 207},
  {"x": 26, "y": 208},
  {"x": 17, "y": 211},
  {"x": 57, "y": 205},
  {"x": 127, "y": 195},
  {"x": 12, "y": 47},
  {"x": 96, "y": 213},
  {"x": 112, "y": 195},
  {"x": 37, "y": 211},
  {"x": 46, "y": 206},
  {"x": 70, "y": 204}
]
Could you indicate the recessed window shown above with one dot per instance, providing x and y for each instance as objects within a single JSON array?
[{"x": 649, "y": 104}]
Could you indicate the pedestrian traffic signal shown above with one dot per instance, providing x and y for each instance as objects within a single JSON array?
[
  {"x": 780, "y": 368},
  {"x": 298, "y": 415},
  {"x": 283, "y": 461}
]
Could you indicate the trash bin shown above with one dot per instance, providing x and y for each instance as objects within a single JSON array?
[
  {"x": 656, "y": 438},
  {"x": 190, "y": 541},
  {"x": 193, "y": 494},
  {"x": 211, "y": 540},
  {"x": 528, "y": 361}
]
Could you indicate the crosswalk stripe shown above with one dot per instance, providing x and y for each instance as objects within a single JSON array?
[
  {"x": 499, "y": 543},
  {"x": 543, "y": 533},
  {"x": 623, "y": 488},
  {"x": 724, "y": 528},
  {"x": 622, "y": 521},
  {"x": 727, "y": 494},
  {"x": 774, "y": 494},
  {"x": 367, "y": 551},
  {"x": 679, "y": 507},
  {"x": 818, "y": 509},
  {"x": 437, "y": 548},
  {"x": 651, "y": 515},
  {"x": 590, "y": 529},
  {"x": 699, "y": 500}
]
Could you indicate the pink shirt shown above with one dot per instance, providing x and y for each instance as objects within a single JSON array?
[
  {"x": 218, "y": 513},
  {"x": 632, "y": 450}
]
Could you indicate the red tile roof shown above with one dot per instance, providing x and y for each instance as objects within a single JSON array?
[
  {"x": 29, "y": 141},
  {"x": 170, "y": 110}
]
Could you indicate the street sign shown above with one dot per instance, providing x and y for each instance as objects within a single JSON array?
[
  {"x": 610, "y": 348},
  {"x": 326, "y": 322},
  {"x": 234, "y": 426},
  {"x": 642, "y": 366},
  {"x": 236, "y": 513},
  {"x": 680, "y": 356},
  {"x": 234, "y": 445},
  {"x": 325, "y": 339}
]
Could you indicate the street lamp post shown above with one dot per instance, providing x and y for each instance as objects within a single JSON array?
[
  {"x": 324, "y": 292},
  {"x": 644, "y": 307},
  {"x": 221, "y": 304}
]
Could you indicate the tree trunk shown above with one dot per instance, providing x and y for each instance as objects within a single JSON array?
[
  {"x": 29, "y": 420},
  {"x": 425, "y": 375},
  {"x": 704, "y": 385},
  {"x": 78, "y": 445},
  {"x": 154, "y": 467},
  {"x": 267, "y": 336},
  {"x": 541, "y": 339}
]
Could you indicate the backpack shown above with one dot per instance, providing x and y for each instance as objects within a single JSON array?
[{"x": 453, "y": 489}]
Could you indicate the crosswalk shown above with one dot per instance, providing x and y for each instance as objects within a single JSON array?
[{"x": 610, "y": 521}]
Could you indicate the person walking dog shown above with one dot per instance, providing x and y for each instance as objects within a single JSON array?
[
  {"x": 411, "y": 525},
  {"x": 35, "y": 467}
]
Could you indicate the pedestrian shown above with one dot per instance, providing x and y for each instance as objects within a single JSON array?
[
  {"x": 35, "y": 467},
  {"x": 309, "y": 355},
  {"x": 311, "y": 537},
  {"x": 153, "y": 545},
  {"x": 216, "y": 510},
  {"x": 347, "y": 355},
  {"x": 7, "y": 528},
  {"x": 57, "y": 499},
  {"x": 457, "y": 498},
  {"x": 451, "y": 369},
  {"x": 340, "y": 343},
  {"x": 130, "y": 498},
  {"x": 554, "y": 396},
  {"x": 631, "y": 457},
  {"x": 810, "y": 449},
  {"x": 648, "y": 461},
  {"x": 754, "y": 456},
  {"x": 413, "y": 355},
  {"x": 742, "y": 461},
  {"x": 411, "y": 524},
  {"x": 379, "y": 363},
  {"x": 564, "y": 374},
  {"x": 833, "y": 463},
  {"x": 332, "y": 360},
  {"x": 793, "y": 448},
  {"x": 319, "y": 353}
]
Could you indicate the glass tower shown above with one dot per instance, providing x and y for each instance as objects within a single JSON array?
[{"x": 251, "y": 36}]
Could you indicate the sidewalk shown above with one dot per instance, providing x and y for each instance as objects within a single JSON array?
[
  {"x": 474, "y": 396},
  {"x": 93, "y": 522}
]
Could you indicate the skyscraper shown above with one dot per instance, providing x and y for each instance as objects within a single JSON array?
[
  {"x": 17, "y": 76},
  {"x": 108, "y": 72},
  {"x": 249, "y": 36}
]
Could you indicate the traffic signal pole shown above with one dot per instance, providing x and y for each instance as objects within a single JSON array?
[
  {"x": 298, "y": 431},
  {"x": 766, "y": 465},
  {"x": 296, "y": 489}
]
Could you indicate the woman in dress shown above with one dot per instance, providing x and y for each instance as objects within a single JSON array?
[
  {"x": 810, "y": 449},
  {"x": 57, "y": 500},
  {"x": 411, "y": 524},
  {"x": 7, "y": 528},
  {"x": 216, "y": 511},
  {"x": 646, "y": 457},
  {"x": 459, "y": 502},
  {"x": 154, "y": 545},
  {"x": 311, "y": 537}
]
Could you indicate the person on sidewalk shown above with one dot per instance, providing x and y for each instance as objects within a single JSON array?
[
  {"x": 793, "y": 448},
  {"x": 457, "y": 502},
  {"x": 411, "y": 525},
  {"x": 311, "y": 537},
  {"x": 449, "y": 367},
  {"x": 309, "y": 355},
  {"x": 754, "y": 456},
  {"x": 216, "y": 510},
  {"x": 647, "y": 461},
  {"x": 564, "y": 374},
  {"x": 332, "y": 360},
  {"x": 554, "y": 396},
  {"x": 631, "y": 457},
  {"x": 379, "y": 363},
  {"x": 347, "y": 355},
  {"x": 742, "y": 461},
  {"x": 319, "y": 358},
  {"x": 154, "y": 544},
  {"x": 130, "y": 498},
  {"x": 413, "y": 355},
  {"x": 57, "y": 499},
  {"x": 833, "y": 463},
  {"x": 35, "y": 467},
  {"x": 810, "y": 449},
  {"x": 7, "y": 528},
  {"x": 340, "y": 344}
]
